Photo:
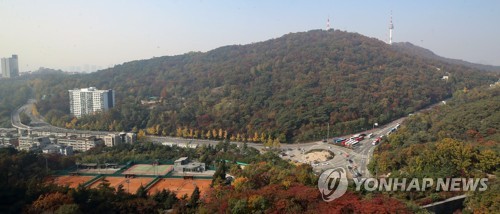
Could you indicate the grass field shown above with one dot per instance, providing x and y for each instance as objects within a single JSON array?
[
  {"x": 148, "y": 169},
  {"x": 134, "y": 183},
  {"x": 71, "y": 181},
  {"x": 181, "y": 186}
]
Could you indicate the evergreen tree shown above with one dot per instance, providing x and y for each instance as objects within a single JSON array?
[
  {"x": 141, "y": 192},
  {"x": 195, "y": 197}
]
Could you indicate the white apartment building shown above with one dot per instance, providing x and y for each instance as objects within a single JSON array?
[
  {"x": 10, "y": 67},
  {"x": 89, "y": 100}
]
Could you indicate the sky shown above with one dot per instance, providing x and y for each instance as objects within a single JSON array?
[{"x": 86, "y": 35}]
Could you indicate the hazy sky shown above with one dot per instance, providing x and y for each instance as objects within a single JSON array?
[{"x": 60, "y": 33}]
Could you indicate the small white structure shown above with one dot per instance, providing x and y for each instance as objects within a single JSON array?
[{"x": 184, "y": 165}]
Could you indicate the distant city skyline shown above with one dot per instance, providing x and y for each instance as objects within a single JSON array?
[{"x": 70, "y": 34}]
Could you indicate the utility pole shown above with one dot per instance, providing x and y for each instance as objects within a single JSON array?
[
  {"x": 128, "y": 185},
  {"x": 328, "y": 132}
]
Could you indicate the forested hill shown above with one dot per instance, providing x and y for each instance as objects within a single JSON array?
[
  {"x": 287, "y": 88},
  {"x": 412, "y": 49}
]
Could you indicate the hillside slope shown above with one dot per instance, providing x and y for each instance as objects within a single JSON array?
[
  {"x": 287, "y": 88},
  {"x": 459, "y": 139},
  {"x": 412, "y": 49}
]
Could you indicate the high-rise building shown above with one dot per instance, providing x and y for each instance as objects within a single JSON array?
[
  {"x": 89, "y": 100},
  {"x": 10, "y": 67}
]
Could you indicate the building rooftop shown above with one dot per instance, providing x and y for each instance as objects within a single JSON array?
[{"x": 181, "y": 159}]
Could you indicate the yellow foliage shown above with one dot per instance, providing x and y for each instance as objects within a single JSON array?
[
  {"x": 214, "y": 134},
  {"x": 240, "y": 184},
  {"x": 255, "y": 137},
  {"x": 141, "y": 135}
]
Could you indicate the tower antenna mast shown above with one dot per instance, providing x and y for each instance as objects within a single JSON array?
[
  {"x": 391, "y": 27},
  {"x": 328, "y": 24}
]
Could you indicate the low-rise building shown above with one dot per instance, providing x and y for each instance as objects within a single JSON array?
[
  {"x": 9, "y": 141},
  {"x": 128, "y": 137},
  {"x": 66, "y": 150},
  {"x": 51, "y": 149},
  {"x": 80, "y": 144},
  {"x": 58, "y": 149},
  {"x": 112, "y": 140},
  {"x": 183, "y": 164},
  {"x": 31, "y": 143}
]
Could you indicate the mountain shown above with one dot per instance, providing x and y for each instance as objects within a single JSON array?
[
  {"x": 412, "y": 49},
  {"x": 288, "y": 88}
]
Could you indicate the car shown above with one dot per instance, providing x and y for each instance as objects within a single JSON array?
[
  {"x": 370, "y": 135},
  {"x": 362, "y": 135},
  {"x": 324, "y": 140},
  {"x": 339, "y": 140}
]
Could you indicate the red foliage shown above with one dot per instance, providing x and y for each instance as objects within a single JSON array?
[{"x": 304, "y": 199}]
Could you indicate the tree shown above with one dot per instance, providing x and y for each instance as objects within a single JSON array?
[
  {"x": 178, "y": 132},
  {"x": 263, "y": 137},
  {"x": 255, "y": 137},
  {"x": 214, "y": 133},
  {"x": 269, "y": 142},
  {"x": 141, "y": 135},
  {"x": 209, "y": 134},
  {"x": 220, "y": 173},
  {"x": 488, "y": 160},
  {"x": 141, "y": 192},
  {"x": 196, "y": 133},
  {"x": 51, "y": 202},
  {"x": 34, "y": 111},
  {"x": 276, "y": 143},
  {"x": 241, "y": 184},
  {"x": 25, "y": 119},
  {"x": 195, "y": 197}
]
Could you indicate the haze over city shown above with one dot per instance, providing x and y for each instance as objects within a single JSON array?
[{"x": 63, "y": 34}]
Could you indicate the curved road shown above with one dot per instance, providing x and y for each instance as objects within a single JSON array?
[{"x": 356, "y": 158}]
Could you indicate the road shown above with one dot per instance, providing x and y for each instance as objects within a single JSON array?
[{"x": 356, "y": 158}]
